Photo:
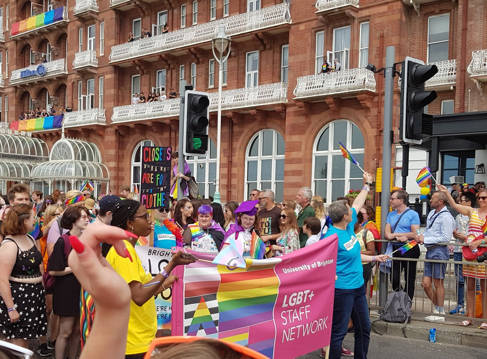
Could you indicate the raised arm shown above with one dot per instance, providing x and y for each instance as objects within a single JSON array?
[
  {"x": 465, "y": 210},
  {"x": 362, "y": 196}
]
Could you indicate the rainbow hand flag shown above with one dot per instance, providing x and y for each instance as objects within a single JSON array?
[
  {"x": 257, "y": 247},
  {"x": 423, "y": 176},
  {"x": 346, "y": 153},
  {"x": 407, "y": 246},
  {"x": 484, "y": 228},
  {"x": 230, "y": 256},
  {"x": 87, "y": 186}
]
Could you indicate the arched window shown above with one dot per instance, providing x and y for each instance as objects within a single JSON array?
[
  {"x": 264, "y": 163},
  {"x": 136, "y": 167},
  {"x": 333, "y": 175},
  {"x": 204, "y": 171}
]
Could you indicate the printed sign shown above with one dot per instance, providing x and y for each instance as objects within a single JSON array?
[{"x": 155, "y": 177}]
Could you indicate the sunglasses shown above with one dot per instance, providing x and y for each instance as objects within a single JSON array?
[
  {"x": 483, "y": 198},
  {"x": 163, "y": 210},
  {"x": 283, "y": 216}
]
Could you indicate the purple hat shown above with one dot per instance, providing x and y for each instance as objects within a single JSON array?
[{"x": 247, "y": 207}]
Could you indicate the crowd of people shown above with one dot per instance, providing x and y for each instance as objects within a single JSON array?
[
  {"x": 38, "y": 112},
  {"x": 153, "y": 96}
]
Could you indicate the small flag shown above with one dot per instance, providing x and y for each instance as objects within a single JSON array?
[
  {"x": 346, "y": 153},
  {"x": 136, "y": 189},
  {"x": 36, "y": 231},
  {"x": 257, "y": 247},
  {"x": 407, "y": 246},
  {"x": 423, "y": 176},
  {"x": 87, "y": 186},
  {"x": 230, "y": 256},
  {"x": 484, "y": 228}
]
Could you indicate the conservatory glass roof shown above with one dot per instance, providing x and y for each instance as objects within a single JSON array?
[
  {"x": 14, "y": 171},
  {"x": 22, "y": 147},
  {"x": 70, "y": 170},
  {"x": 74, "y": 150}
]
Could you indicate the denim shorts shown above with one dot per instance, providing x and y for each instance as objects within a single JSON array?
[{"x": 436, "y": 270}]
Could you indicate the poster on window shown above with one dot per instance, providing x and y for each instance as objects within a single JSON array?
[{"x": 155, "y": 181}]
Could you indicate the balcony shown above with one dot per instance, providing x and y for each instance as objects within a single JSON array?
[
  {"x": 343, "y": 82},
  {"x": 477, "y": 69},
  {"x": 119, "y": 3},
  {"x": 35, "y": 73},
  {"x": 2, "y": 36},
  {"x": 234, "y": 25},
  {"x": 94, "y": 116},
  {"x": 39, "y": 23},
  {"x": 85, "y": 60},
  {"x": 86, "y": 8},
  {"x": 328, "y": 6},
  {"x": 417, "y": 3},
  {"x": 446, "y": 77},
  {"x": 242, "y": 98},
  {"x": 48, "y": 123}
]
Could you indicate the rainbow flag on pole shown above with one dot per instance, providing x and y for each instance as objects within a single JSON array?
[
  {"x": 257, "y": 247},
  {"x": 230, "y": 256},
  {"x": 484, "y": 228},
  {"x": 346, "y": 153},
  {"x": 407, "y": 246},
  {"x": 423, "y": 176},
  {"x": 87, "y": 186}
]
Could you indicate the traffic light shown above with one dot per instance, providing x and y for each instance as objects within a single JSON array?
[
  {"x": 414, "y": 123},
  {"x": 196, "y": 113}
]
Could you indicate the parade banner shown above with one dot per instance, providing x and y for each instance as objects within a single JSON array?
[
  {"x": 154, "y": 260},
  {"x": 281, "y": 307},
  {"x": 156, "y": 177}
]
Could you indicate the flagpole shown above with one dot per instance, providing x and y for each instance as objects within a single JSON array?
[{"x": 360, "y": 168}]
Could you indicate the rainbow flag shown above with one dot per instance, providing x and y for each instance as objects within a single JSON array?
[
  {"x": 484, "y": 227},
  {"x": 74, "y": 200},
  {"x": 87, "y": 315},
  {"x": 257, "y": 247},
  {"x": 37, "y": 21},
  {"x": 87, "y": 186},
  {"x": 346, "y": 153},
  {"x": 230, "y": 256},
  {"x": 407, "y": 246},
  {"x": 38, "y": 124},
  {"x": 423, "y": 176}
]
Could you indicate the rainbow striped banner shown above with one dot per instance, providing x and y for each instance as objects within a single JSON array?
[
  {"x": 281, "y": 307},
  {"x": 38, "y": 124},
  {"x": 37, "y": 21}
]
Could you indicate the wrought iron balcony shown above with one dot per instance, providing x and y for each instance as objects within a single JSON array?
[
  {"x": 477, "y": 68},
  {"x": 39, "y": 23},
  {"x": 234, "y": 25},
  {"x": 83, "y": 7},
  {"x": 94, "y": 116},
  {"x": 35, "y": 73},
  {"x": 323, "y": 6},
  {"x": 231, "y": 100},
  {"x": 85, "y": 59},
  {"x": 446, "y": 76},
  {"x": 334, "y": 83}
]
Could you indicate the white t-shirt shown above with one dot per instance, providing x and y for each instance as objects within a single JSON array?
[{"x": 312, "y": 239}]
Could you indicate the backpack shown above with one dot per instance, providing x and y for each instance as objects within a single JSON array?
[
  {"x": 397, "y": 308},
  {"x": 193, "y": 188},
  {"x": 48, "y": 279}
]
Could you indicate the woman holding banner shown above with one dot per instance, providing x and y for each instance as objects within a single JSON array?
[{"x": 205, "y": 235}]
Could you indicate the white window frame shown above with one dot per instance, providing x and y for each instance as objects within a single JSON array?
[
  {"x": 2, "y": 119},
  {"x": 225, "y": 72},
  {"x": 319, "y": 52},
  {"x": 363, "y": 49},
  {"x": 160, "y": 26},
  {"x": 80, "y": 95},
  {"x": 444, "y": 103},
  {"x": 284, "y": 63},
  {"x": 331, "y": 154},
  {"x": 253, "y": 73},
  {"x": 428, "y": 43},
  {"x": 101, "y": 90},
  {"x": 138, "y": 164},
  {"x": 253, "y": 5},
  {"x": 7, "y": 8},
  {"x": 91, "y": 37},
  {"x": 132, "y": 79},
  {"x": 331, "y": 55},
  {"x": 211, "y": 73},
  {"x": 5, "y": 100},
  {"x": 193, "y": 75},
  {"x": 158, "y": 84},
  {"x": 226, "y": 8},
  {"x": 48, "y": 52},
  {"x": 183, "y": 15},
  {"x": 195, "y": 12},
  {"x": 102, "y": 38},
  {"x": 259, "y": 158},
  {"x": 134, "y": 22},
  {"x": 1, "y": 29},
  {"x": 6, "y": 64},
  {"x": 1, "y": 69},
  {"x": 181, "y": 75},
  {"x": 212, "y": 10},
  {"x": 203, "y": 162},
  {"x": 32, "y": 57},
  {"x": 80, "y": 39},
  {"x": 50, "y": 5},
  {"x": 90, "y": 94}
]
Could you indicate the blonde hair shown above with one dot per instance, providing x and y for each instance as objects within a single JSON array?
[
  {"x": 50, "y": 212},
  {"x": 318, "y": 206}
]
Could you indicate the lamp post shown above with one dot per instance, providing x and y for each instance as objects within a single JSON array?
[{"x": 221, "y": 43}]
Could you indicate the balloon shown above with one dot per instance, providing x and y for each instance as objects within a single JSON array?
[
  {"x": 425, "y": 191},
  {"x": 423, "y": 197}
]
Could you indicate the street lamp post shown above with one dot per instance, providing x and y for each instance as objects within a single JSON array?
[{"x": 221, "y": 43}]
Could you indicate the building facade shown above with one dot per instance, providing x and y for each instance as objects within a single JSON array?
[{"x": 282, "y": 117}]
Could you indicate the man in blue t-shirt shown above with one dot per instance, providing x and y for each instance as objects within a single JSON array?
[{"x": 402, "y": 225}]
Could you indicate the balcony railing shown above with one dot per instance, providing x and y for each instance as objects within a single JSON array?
[
  {"x": 328, "y": 5},
  {"x": 93, "y": 116},
  {"x": 446, "y": 76},
  {"x": 39, "y": 22},
  {"x": 2, "y": 36},
  {"x": 118, "y": 2},
  {"x": 234, "y": 25},
  {"x": 38, "y": 72},
  {"x": 334, "y": 83},
  {"x": 231, "y": 99},
  {"x": 85, "y": 59},
  {"x": 83, "y": 6},
  {"x": 477, "y": 68}
]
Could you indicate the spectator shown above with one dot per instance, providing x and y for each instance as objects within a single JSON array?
[
  {"x": 37, "y": 199},
  {"x": 229, "y": 214},
  {"x": 312, "y": 229},
  {"x": 268, "y": 217},
  {"x": 135, "y": 99},
  {"x": 124, "y": 191},
  {"x": 205, "y": 235},
  {"x": 320, "y": 212},
  {"x": 367, "y": 246},
  {"x": 150, "y": 97},
  {"x": 185, "y": 176},
  {"x": 478, "y": 186},
  {"x": 163, "y": 94},
  {"x": 439, "y": 230},
  {"x": 142, "y": 97},
  {"x": 367, "y": 219},
  {"x": 131, "y": 37},
  {"x": 173, "y": 94},
  {"x": 183, "y": 213},
  {"x": 336, "y": 65},
  {"x": 17, "y": 194},
  {"x": 325, "y": 67},
  {"x": 164, "y": 28},
  {"x": 254, "y": 195},
  {"x": 303, "y": 198},
  {"x": 289, "y": 236},
  {"x": 218, "y": 215},
  {"x": 148, "y": 34},
  {"x": 402, "y": 225},
  {"x": 289, "y": 204}
]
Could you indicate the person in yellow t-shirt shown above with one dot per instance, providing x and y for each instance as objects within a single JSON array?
[{"x": 132, "y": 216}]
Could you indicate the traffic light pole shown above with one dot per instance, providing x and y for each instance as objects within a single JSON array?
[
  {"x": 182, "y": 91},
  {"x": 386, "y": 157}
]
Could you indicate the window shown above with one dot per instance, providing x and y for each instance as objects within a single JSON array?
[
  {"x": 48, "y": 52},
  {"x": 101, "y": 90},
  {"x": 253, "y": 5},
  {"x": 136, "y": 167},
  {"x": 211, "y": 73},
  {"x": 193, "y": 75},
  {"x": 212, "y": 10},
  {"x": 461, "y": 163},
  {"x": 90, "y": 33},
  {"x": 161, "y": 79},
  {"x": 364, "y": 45},
  {"x": 1, "y": 26},
  {"x": 447, "y": 107},
  {"x": 284, "y": 62},
  {"x": 319, "y": 51},
  {"x": 181, "y": 75},
  {"x": 204, "y": 170},
  {"x": 225, "y": 72},
  {"x": 183, "y": 16},
  {"x": 80, "y": 39},
  {"x": 90, "y": 94},
  {"x": 32, "y": 57},
  {"x": 252, "y": 69},
  {"x": 195, "y": 12},
  {"x": 226, "y": 7},
  {"x": 50, "y": 5},
  {"x": 161, "y": 21},
  {"x": 6, "y": 108},
  {"x": 102, "y": 38},
  {"x": 438, "y": 36},
  {"x": 1, "y": 114},
  {"x": 341, "y": 48},
  {"x": 264, "y": 163},
  {"x": 6, "y": 16},
  {"x": 135, "y": 86},
  {"x": 333, "y": 176},
  {"x": 136, "y": 28},
  {"x": 80, "y": 95},
  {"x": 1, "y": 70},
  {"x": 6, "y": 65}
]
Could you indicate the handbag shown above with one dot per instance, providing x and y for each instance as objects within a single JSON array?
[
  {"x": 193, "y": 188},
  {"x": 48, "y": 279}
]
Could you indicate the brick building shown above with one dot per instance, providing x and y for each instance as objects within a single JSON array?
[{"x": 281, "y": 117}]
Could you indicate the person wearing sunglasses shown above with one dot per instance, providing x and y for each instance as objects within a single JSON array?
[
  {"x": 289, "y": 237},
  {"x": 163, "y": 237}
]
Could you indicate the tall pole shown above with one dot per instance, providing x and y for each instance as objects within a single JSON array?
[
  {"x": 182, "y": 90},
  {"x": 386, "y": 157},
  {"x": 216, "y": 196}
]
